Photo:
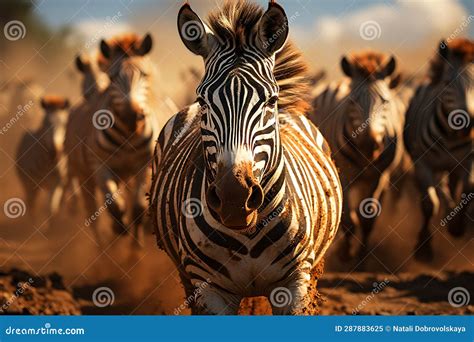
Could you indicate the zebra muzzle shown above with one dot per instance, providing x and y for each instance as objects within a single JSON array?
[{"x": 235, "y": 197}]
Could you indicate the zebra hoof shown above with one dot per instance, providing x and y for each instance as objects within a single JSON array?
[{"x": 424, "y": 253}]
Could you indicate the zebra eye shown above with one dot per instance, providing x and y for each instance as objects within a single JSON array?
[{"x": 272, "y": 102}]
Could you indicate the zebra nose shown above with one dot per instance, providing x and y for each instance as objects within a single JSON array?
[{"x": 235, "y": 202}]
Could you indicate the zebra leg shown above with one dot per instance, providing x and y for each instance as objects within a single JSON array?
[
  {"x": 31, "y": 195},
  {"x": 348, "y": 228},
  {"x": 139, "y": 205},
  {"x": 210, "y": 300},
  {"x": 114, "y": 200},
  {"x": 55, "y": 195},
  {"x": 71, "y": 195},
  {"x": 293, "y": 297},
  {"x": 458, "y": 208},
  {"x": 368, "y": 215},
  {"x": 88, "y": 196},
  {"x": 429, "y": 207}
]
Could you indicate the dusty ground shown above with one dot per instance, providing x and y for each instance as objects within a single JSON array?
[{"x": 22, "y": 293}]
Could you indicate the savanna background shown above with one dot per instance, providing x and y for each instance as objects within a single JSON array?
[{"x": 63, "y": 261}]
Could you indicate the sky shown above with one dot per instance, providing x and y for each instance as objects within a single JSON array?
[
  {"x": 325, "y": 30},
  {"x": 58, "y": 12}
]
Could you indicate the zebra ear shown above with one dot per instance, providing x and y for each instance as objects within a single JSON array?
[
  {"x": 81, "y": 63},
  {"x": 273, "y": 28},
  {"x": 395, "y": 81},
  {"x": 389, "y": 67},
  {"x": 193, "y": 32},
  {"x": 145, "y": 46},
  {"x": 346, "y": 66},
  {"x": 105, "y": 49},
  {"x": 443, "y": 49}
]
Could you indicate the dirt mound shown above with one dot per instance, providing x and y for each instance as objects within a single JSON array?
[
  {"x": 24, "y": 294},
  {"x": 441, "y": 293}
]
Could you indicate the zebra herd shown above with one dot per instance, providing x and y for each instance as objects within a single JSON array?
[{"x": 245, "y": 193}]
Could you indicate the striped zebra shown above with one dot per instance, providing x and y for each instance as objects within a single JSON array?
[
  {"x": 246, "y": 199},
  {"x": 439, "y": 138},
  {"x": 39, "y": 153},
  {"x": 362, "y": 118},
  {"x": 92, "y": 86},
  {"x": 110, "y": 143}
]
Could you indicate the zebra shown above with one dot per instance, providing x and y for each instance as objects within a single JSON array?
[
  {"x": 39, "y": 153},
  {"x": 362, "y": 117},
  {"x": 245, "y": 197},
  {"x": 439, "y": 138},
  {"x": 110, "y": 142},
  {"x": 93, "y": 84}
]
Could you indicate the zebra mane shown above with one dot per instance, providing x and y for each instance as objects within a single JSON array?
[
  {"x": 368, "y": 62},
  {"x": 461, "y": 47},
  {"x": 237, "y": 20},
  {"x": 123, "y": 45},
  {"x": 54, "y": 101}
]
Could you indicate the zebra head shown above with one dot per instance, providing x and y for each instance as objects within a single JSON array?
[
  {"x": 454, "y": 67},
  {"x": 238, "y": 98},
  {"x": 55, "y": 119},
  {"x": 370, "y": 102},
  {"x": 130, "y": 72}
]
